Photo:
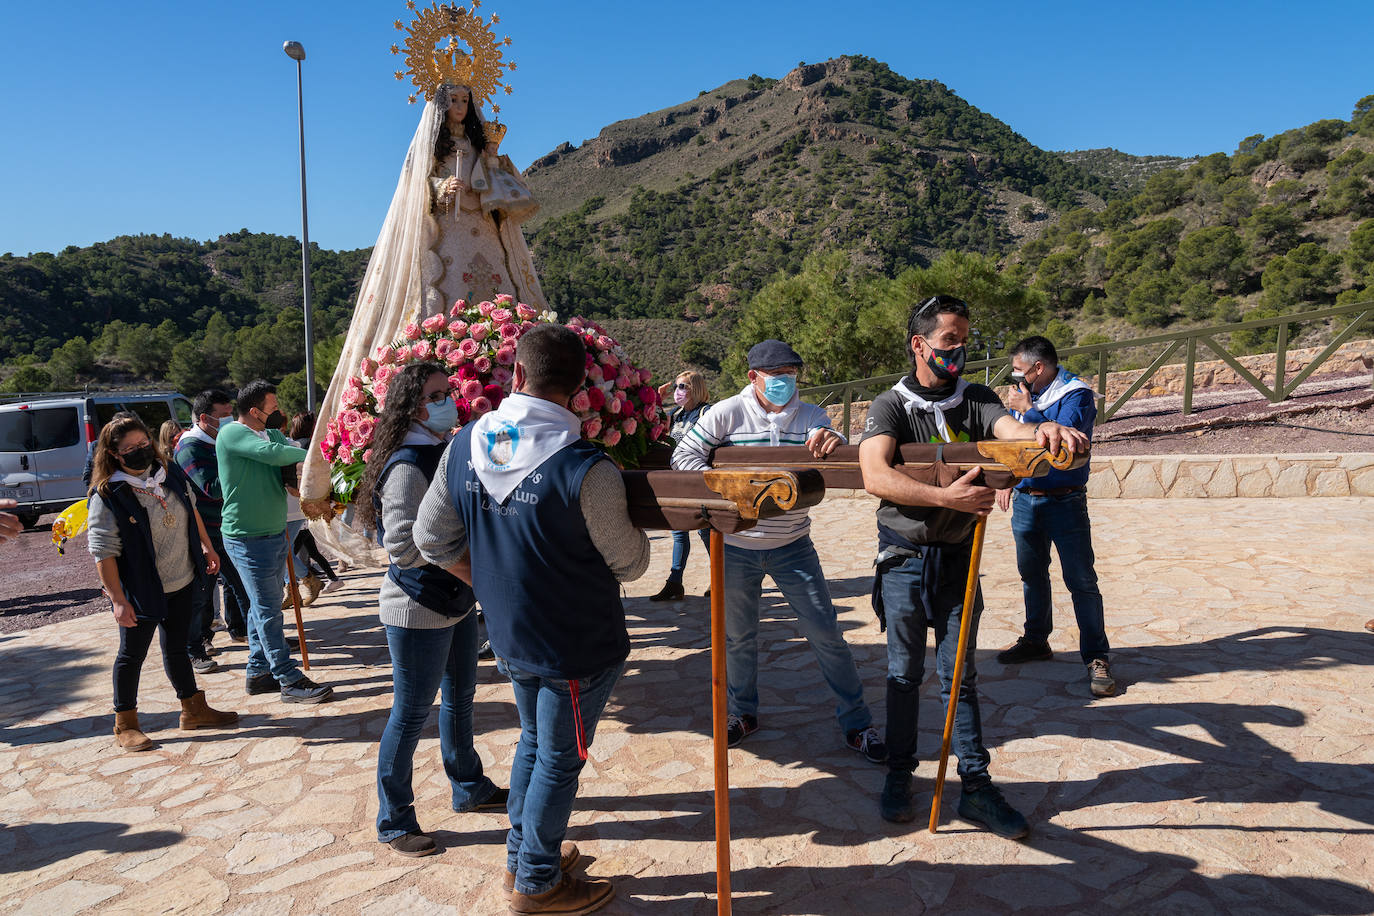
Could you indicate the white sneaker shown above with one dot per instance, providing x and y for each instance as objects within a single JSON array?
[{"x": 333, "y": 585}]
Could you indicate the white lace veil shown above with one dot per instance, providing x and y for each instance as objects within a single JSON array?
[{"x": 399, "y": 285}]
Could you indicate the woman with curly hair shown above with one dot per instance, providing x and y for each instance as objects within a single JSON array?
[
  {"x": 151, "y": 552},
  {"x": 431, "y": 624}
]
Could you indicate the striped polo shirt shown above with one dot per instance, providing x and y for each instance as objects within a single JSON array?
[{"x": 740, "y": 420}]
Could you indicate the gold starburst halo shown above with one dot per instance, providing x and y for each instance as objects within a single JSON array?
[{"x": 451, "y": 44}]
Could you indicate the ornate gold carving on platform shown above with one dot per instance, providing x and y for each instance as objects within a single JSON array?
[
  {"x": 1022, "y": 457},
  {"x": 750, "y": 488},
  {"x": 470, "y": 57}
]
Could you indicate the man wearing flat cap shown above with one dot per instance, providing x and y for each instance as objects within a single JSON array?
[{"x": 769, "y": 413}]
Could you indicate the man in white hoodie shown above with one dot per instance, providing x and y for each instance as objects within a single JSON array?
[{"x": 768, "y": 412}]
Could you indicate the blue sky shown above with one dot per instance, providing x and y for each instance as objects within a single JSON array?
[{"x": 181, "y": 118}]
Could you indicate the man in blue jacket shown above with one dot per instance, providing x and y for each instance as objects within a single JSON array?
[
  {"x": 1053, "y": 509},
  {"x": 536, "y": 518}
]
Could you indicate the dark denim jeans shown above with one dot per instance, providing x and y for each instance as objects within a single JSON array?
[
  {"x": 682, "y": 549},
  {"x": 134, "y": 642},
  {"x": 796, "y": 570},
  {"x": 1036, "y": 523},
  {"x": 544, "y": 773},
  {"x": 203, "y": 604},
  {"x": 906, "y": 659},
  {"x": 260, "y": 562},
  {"x": 423, "y": 662}
]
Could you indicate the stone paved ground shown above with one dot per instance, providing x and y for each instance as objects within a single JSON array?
[{"x": 1232, "y": 773}]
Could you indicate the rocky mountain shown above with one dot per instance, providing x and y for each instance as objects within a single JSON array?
[{"x": 688, "y": 210}]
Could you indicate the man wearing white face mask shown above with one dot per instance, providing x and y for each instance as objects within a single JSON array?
[{"x": 768, "y": 412}]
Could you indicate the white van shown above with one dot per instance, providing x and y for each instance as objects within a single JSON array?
[{"x": 46, "y": 438}]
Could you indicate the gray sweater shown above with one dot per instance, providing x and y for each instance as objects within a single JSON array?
[
  {"x": 402, "y": 491},
  {"x": 442, "y": 539},
  {"x": 171, "y": 551}
]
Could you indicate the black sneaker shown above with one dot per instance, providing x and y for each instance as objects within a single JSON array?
[
  {"x": 306, "y": 691},
  {"x": 895, "y": 803},
  {"x": 485, "y": 651},
  {"x": 986, "y": 806},
  {"x": 671, "y": 591},
  {"x": 261, "y": 683},
  {"x": 494, "y": 802},
  {"x": 1026, "y": 650},
  {"x": 203, "y": 665},
  {"x": 866, "y": 741},
  {"x": 737, "y": 728},
  {"x": 1100, "y": 680},
  {"x": 414, "y": 845}
]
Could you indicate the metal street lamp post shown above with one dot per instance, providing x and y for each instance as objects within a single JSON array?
[{"x": 296, "y": 51}]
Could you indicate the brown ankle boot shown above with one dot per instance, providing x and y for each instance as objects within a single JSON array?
[
  {"x": 196, "y": 713},
  {"x": 127, "y": 732},
  {"x": 570, "y": 897}
]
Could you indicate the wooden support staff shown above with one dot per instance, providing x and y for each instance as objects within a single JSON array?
[
  {"x": 970, "y": 592},
  {"x": 718, "y": 733},
  {"x": 296, "y": 602}
]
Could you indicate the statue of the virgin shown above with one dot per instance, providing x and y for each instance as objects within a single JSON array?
[{"x": 453, "y": 228}]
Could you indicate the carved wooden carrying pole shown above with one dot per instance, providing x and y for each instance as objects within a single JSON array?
[
  {"x": 748, "y": 483},
  {"x": 726, "y": 500}
]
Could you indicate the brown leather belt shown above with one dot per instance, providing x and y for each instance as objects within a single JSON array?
[{"x": 1057, "y": 491}]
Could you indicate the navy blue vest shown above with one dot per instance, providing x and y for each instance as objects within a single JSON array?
[
  {"x": 552, "y": 604},
  {"x": 136, "y": 563},
  {"x": 435, "y": 588}
]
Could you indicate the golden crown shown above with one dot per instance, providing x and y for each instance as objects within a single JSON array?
[{"x": 452, "y": 44}]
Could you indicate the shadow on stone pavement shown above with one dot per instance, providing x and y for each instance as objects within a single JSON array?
[{"x": 48, "y": 842}]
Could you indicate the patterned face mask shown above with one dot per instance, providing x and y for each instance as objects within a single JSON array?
[{"x": 947, "y": 364}]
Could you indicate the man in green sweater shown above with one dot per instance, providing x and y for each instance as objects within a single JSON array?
[{"x": 251, "y": 454}]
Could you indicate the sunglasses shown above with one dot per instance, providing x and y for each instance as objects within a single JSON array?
[
  {"x": 438, "y": 397},
  {"x": 683, "y": 386},
  {"x": 935, "y": 302}
]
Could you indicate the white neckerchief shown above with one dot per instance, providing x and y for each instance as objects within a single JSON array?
[
  {"x": 517, "y": 437},
  {"x": 152, "y": 483},
  {"x": 419, "y": 434},
  {"x": 916, "y": 404},
  {"x": 776, "y": 421},
  {"x": 1064, "y": 382},
  {"x": 195, "y": 432}
]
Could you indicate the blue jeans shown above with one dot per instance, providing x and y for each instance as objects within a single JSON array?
[
  {"x": 423, "y": 661},
  {"x": 259, "y": 562},
  {"x": 906, "y": 658},
  {"x": 796, "y": 570},
  {"x": 302, "y": 567},
  {"x": 543, "y": 775},
  {"x": 682, "y": 549},
  {"x": 1036, "y": 523}
]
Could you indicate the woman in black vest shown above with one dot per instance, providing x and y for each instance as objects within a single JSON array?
[
  {"x": 431, "y": 624},
  {"x": 152, "y": 552}
]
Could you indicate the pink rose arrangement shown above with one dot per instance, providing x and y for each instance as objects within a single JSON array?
[{"x": 619, "y": 409}]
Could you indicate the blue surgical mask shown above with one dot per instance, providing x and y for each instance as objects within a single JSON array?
[
  {"x": 442, "y": 417},
  {"x": 778, "y": 389}
]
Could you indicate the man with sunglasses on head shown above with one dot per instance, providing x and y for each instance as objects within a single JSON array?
[
  {"x": 1054, "y": 510},
  {"x": 768, "y": 412},
  {"x": 925, "y": 541}
]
